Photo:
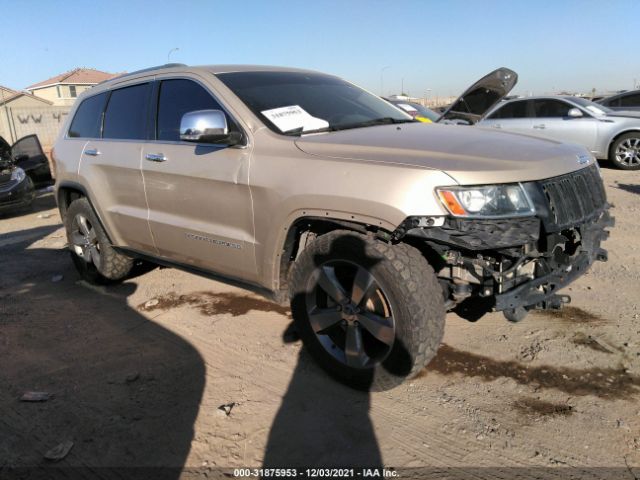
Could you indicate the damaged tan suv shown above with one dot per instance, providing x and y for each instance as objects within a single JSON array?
[{"x": 307, "y": 188}]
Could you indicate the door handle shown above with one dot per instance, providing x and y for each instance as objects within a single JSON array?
[
  {"x": 540, "y": 127},
  {"x": 155, "y": 157},
  {"x": 94, "y": 152},
  {"x": 496, "y": 125}
]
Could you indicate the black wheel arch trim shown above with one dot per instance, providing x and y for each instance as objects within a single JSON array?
[{"x": 65, "y": 186}]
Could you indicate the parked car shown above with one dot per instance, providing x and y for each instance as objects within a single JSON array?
[
  {"x": 607, "y": 134},
  {"x": 417, "y": 111},
  {"x": 27, "y": 154},
  {"x": 480, "y": 97},
  {"x": 622, "y": 101},
  {"x": 22, "y": 166},
  {"x": 308, "y": 189}
]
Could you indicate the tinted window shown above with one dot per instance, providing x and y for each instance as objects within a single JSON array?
[
  {"x": 511, "y": 110},
  {"x": 126, "y": 114},
  {"x": 29, "y": 146},
  {"x": 86, "y": 122},
  {"x": 178, "y": 97},
  {"x": 551, "y": 108},
  {"x": 630, "y": 100}
]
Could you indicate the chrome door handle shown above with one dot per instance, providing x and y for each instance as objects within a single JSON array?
[
  {"x": 94, "y": 152},
  {"x": 156, "y": 157},
  {"x": 539, "y": 127},
  {"x": 496, "y": 125}
]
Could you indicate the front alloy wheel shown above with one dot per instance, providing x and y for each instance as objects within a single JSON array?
[
  {"x": 350, "y": 314},
  {"x": 370, "y": 313}
]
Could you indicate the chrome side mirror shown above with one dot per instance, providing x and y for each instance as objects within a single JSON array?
[
  {"x": 575, "y": 113},
  {"x": 204, "y": 126}
]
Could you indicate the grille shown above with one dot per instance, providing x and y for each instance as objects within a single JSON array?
[{"x": 575, "y": 197}]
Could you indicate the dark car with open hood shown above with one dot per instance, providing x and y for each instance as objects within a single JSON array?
[{"x": 23, "y": 166}]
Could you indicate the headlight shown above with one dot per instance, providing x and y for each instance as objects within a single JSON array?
[
  {"x": 18, "y": 175},
  {"x": 488, "y": 201}
]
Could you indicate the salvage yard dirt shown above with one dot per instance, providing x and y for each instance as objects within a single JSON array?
[{"x": 135, "y": 373}]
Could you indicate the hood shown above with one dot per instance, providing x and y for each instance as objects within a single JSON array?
[
  {"x": 480, "y": 97},
  {"x": 6, "y": 161},
  {"x": 471, "y": 156},
  {"x": 624, "y": 113},
  {"x": 5, "y": 150}
]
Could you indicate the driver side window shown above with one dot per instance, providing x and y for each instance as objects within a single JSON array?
[{"x": 176, "y": 98}]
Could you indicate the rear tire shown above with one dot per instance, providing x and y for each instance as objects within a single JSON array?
[
  {"x": 92, "y": 254},
  {"x": 624, "y": 153},
  {"x": 400, "y": 314}
]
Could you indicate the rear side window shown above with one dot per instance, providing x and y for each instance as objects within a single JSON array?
[
  {"x": 511, "y": 110},
  {"x": 178, "y": 97},
  {"x": 551, "y": 108},
  {"x": 86, "y": 122},
  {"x": 126, "y": 114},
  {"x": 630, "y": 100}
]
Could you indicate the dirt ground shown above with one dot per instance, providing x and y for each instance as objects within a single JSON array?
[{"x": 138, "y": 372}]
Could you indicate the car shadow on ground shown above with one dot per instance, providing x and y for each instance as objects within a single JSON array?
[{"x": 125, "y": 391}]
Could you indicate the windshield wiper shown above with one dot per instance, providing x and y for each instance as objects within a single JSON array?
[{"x": 368, "y": 123}]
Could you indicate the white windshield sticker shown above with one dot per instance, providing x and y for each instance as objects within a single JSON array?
[
  {"x": 407, "y": 108},
  {"x": 293, "y": 117}
]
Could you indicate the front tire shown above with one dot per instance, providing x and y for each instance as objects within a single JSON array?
[
  {"x": 370, "y": 313},
  {"x": 92, "y": 254},
  {"x": 625, "y": 152}
]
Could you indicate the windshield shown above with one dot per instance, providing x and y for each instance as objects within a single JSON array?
[
  {"x": 594, "y": 108},
  {"x": 294, "y": 103}
]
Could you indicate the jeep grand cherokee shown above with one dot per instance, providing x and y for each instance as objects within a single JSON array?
[{"x": 306, "y": 187}]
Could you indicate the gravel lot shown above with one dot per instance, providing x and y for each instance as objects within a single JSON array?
[{"x": 138, "y": 372}]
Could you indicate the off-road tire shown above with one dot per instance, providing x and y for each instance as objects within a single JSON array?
[
  {"x": 412, "y": 289},
  {"x": 614, "y": 147},
  {"x": 114, "y": 266}
]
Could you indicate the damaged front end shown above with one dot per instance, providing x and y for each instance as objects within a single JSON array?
[{"x": 518, "y": 264}]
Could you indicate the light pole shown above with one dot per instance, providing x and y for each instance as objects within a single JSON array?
[
  {"x": 170, "y": 52},
  {"x": 382, "y": 79}
]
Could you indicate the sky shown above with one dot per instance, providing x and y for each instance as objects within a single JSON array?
[{"x": 429, "y": 47}]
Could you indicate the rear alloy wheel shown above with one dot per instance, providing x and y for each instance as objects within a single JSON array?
[
  {"x": 370, "y": 313},
  {"x": 85, "y": 241},
  {"x": 94, "y": 257},
  {"x": 625, "y": 152}
]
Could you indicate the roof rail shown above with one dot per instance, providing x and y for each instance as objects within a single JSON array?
[{"x": 159, "y": 67}]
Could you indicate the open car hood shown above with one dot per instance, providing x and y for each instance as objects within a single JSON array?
[
  {"x": 5, "y": 155},
  {"x": 478, "y": 99}
]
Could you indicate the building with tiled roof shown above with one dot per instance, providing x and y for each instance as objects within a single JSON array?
[
  {"x": 13, "y": 98},
  {"x": 64, "y": 88}
]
